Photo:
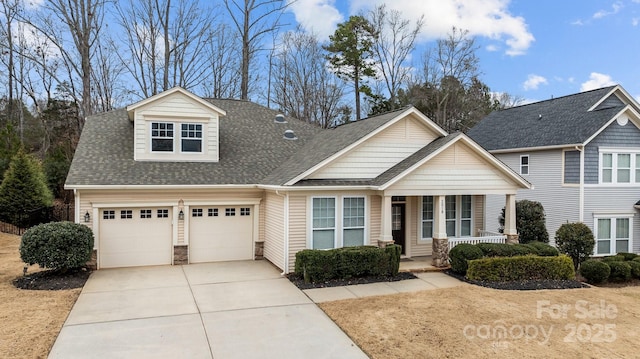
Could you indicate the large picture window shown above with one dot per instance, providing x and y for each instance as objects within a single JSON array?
[
  {"x": 619, "y": 166},
  {"x": 613, "y": 235},
  {"x": 191, "y": 137},
  {"x": 161, "y": 137},
  {"x": 324, "y": 223},
  {"x": 353, "y": 221}
]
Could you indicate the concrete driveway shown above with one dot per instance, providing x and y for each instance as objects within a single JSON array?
[{"x": 214, "y": 310}]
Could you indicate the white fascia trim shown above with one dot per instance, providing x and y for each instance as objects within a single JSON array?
[
  {"x": 121, "y": 204},
  {"x": 224, "y": 202},
  {"x": 478, "y": 150},
  {"x": 318, "y": 188},
  {"x": 161, "y": 187},
  {"x": 629, "y": 99},
  {"x": 614, "y": 118},
  {"x": 532, "y": 149},
  {"x": 411, "y": 110},
  {"x": 174, "y": 90}
]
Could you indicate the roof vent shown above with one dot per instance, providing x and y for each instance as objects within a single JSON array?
[
  {"x": 289, "y": 135},
  {"x": 280, "y": 118},
  {"x": 540, "y": 117}
]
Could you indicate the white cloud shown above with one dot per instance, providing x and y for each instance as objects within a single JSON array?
[
  {"x": 492, "y": 48},
  {"x": 635, "y": 21},
  {"x": 534, "y": 81},
  {"x": 597, "y": 80},
  {"x": 615, "y": 8},
  {"x": 486, "y": 18},
  {"x": 319, "y": 17}
]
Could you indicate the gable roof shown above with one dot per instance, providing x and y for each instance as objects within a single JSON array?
[
  {"x": 251, "y": 147},
  {"x": 335, "y": 141},
  {"x": 170, "y": 92},
  {"x": 563, "y": 121}
]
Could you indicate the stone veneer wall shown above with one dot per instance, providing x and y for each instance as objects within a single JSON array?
[{"x": 180, "y": 254}]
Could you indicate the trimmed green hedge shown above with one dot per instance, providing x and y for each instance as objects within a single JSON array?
[
  {"x": 620, "y": 271},
  {"x": 635, "y": 268},
  {"x": 461, "y": 254},
  {"x": 512, "y": 250},
  {"x": 627, "y": 256},
  {"x": 316, "y": 265},
  {"x": 57, "y": 245},
  {"x": 506, "y": 269},
  {"x": 595, "y": 271}
]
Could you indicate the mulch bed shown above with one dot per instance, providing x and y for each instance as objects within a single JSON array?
[
  {"x": 299, "y": 281},
  {"x": 53, "y": 279},
  {"x": 522, "y": 285}
]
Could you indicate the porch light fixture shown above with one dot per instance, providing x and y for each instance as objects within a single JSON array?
[
  {"x": 87, "y": 217},
  {"x": 181, "y": 215}
]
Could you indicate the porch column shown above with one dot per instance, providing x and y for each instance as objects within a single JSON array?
[
  {"x": 440, "y": 243},
  {"x": 510, "y": 219},
  {"x": 386, "y": 237}
]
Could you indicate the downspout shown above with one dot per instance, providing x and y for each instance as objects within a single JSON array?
[
  {"x": 285, "y": 228},
  {"x": 76, "y": 210},
  {"x": 581, "y": 195}
]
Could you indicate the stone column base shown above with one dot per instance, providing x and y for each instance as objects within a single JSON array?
[
  {"x": 92, "y": 264},
  {"x": 383, "y": 244},
  {"x": 513, "y": 239},
  {"x": 440, "y": 252},
  {"x": 180, "y": 254},
  {"x": 259, "y": 251}
]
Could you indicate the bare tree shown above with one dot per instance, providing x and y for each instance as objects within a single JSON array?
[
  {"x": 253, "y": 19},
  {"x": 393, "y": 45},
  {"x": 303, "y": 86},
  {"x": 223, "y": 54},
  {"x": 165, "y": 43},
  {"x": 106, "y": 76}
]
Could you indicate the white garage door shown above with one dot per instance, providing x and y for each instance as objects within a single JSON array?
[
  {"x": 135, "y": 237},
  {"x": 220, "y": 234}
]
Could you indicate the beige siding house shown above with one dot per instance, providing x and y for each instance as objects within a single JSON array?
[{"x": 178, "y": 179}]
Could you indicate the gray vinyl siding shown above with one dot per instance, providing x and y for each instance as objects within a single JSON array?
[
  {"x": 612, "y": 201},
  {"x": 611, "y": 101},
  {"x": 561, "y": 203},
  {"x": 494, "y": 203},
  {"x": 572, "y": 167},
  {"x": 612, "y": 136}
]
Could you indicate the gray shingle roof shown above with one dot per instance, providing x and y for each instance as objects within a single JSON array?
[
  {"x": 251, "y": 147},
  {"x": 252, "y": 150},
  {"x": 560, "y": 121}
]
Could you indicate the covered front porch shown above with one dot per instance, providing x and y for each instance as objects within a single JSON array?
[{"x": 428, "y": 226}]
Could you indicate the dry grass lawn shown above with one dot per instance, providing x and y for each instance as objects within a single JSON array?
[
  {"x": 466, "y": 322},
  {"x": 31, "y": 320}
]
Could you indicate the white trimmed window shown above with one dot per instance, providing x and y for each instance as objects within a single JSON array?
[
  {"x": 427, "y": 217},
  {"x": 162, "y": 137},
  {"x": 613, "y": 235},
  {"x": 191, "y": 137},
  {"x": 619, "y": 166},
  {"x": 323, "y": 223},
  {"x": 458, "y": 213},
  {"x": 524, "y": 164},
  {"x": 353, "y": 221}
]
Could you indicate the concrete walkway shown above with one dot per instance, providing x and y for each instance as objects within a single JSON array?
[
  {"x": 214, "y": 310},
  {"x": 425, "y": 281}
]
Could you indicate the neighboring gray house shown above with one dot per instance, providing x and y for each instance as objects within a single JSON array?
[{"x": 582, "y": 154}]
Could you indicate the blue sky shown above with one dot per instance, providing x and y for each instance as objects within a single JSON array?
[{"x": 530, "y": 49}]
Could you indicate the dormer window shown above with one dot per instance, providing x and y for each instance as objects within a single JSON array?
[
  {"x": 161, "y": 137},
  {"x": 191, "y": 134}
]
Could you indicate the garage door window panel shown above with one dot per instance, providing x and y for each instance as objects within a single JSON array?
[
  {"x": 196, "y": 212},
  {"x": 229, "y": 212},
  {"x": 145, "y": 213},
  {"x": 126, "y": 214},
  {"x": 212, "y": 212},
  {"x": 108, "y": 214},
  {"x": 163, "y": 213}
]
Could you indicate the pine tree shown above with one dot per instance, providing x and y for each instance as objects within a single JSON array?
[{"x": 24, "y": 194}]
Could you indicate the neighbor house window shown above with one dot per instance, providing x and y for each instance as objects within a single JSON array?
[
  {"x": 323, "y": 223},
  {"x": 353, "y": 221},
  {"x": 524, "y": 165},
  {"x": 145, "y": 213},
  {"x": 108, "y": 214},
  {"x": 161, "y": 137},
  {"x": 427, "y": 217},
  {"x": 458, "y": 216},
  {"x": 191, "y": 137},
  {"x": 613, "y": 235},
  {"x": 619, "y": 167}
]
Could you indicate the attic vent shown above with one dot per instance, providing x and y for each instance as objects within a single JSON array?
[
  {"x": 280, "y": 119},
  {"x": 289, "y": 135}
]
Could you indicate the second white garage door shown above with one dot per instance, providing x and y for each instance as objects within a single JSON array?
[{"x": 220, "y": 234}]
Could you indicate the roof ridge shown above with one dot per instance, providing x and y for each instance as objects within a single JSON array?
[{"x": 560, "y": 97}]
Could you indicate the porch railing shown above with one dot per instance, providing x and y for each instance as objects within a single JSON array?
[{"x": 499, "y": 238}]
